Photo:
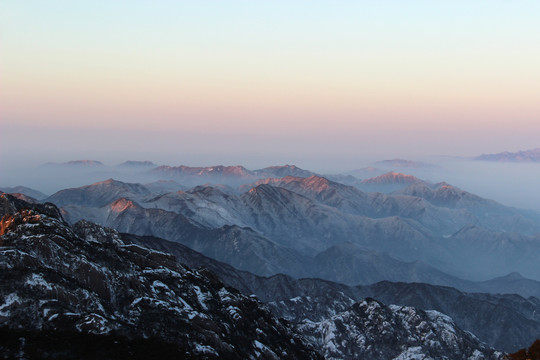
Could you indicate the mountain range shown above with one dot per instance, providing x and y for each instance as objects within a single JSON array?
[
  {"x": 402, "y": 163},
  {"x": 506, "y": 322},
  {"x": 524, "y": 156},
  {"x": 88, "y": 283},
  {"x": 29, "y": 192},
  {"x": 77, "y": 163},
  {"x": 306, "y": 217},
  {"x": 318, "y": 252}
]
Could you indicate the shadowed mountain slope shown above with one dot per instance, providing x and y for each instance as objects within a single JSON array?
[
  {"x": 315, "y": 300},
  {"x": 85, "y": 282}
]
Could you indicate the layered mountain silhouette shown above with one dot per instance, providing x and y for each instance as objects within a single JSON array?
[
  {"x": 90, "y": 284},
  {"x": 303, "y": 217},
  {"x": 137, "y": 164},
  {"x": 31, "y": 193},
  {"x": 525, "y": 156},
  {"x": 388, "y": 182},
  {"x": 402, "y": 163},
  {"x": 335, "y": 259},
  {"x": 505, "y": 322},
  {"x": 99, "y": 194},
  {"x": 219, "y": 174},
  {"x": 78, "y": 164}
]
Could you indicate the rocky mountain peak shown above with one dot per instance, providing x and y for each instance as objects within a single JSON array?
[
  {"x": 392, "y": 178},
  {"x": 123, "y": 204},
  {"x": 100, "y": 193},
  {"x": 513, "y": 276},
  {"x": 264, "y": 190},
  {"x": 206, "y": 191},
  {"x": 406, "y": 332},
  {"x": 11, "y": 222},
  {"x": 109, "y": 181},
  {"x": 63, "y": 283},
  {"x": 281, "y": 171},
  {"x": 10, "y": 205}
]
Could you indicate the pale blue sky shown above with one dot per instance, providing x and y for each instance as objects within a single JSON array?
[{"x": 247, "y": 81}]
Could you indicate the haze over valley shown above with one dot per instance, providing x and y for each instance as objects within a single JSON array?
[{"x": 510, "y": 183}]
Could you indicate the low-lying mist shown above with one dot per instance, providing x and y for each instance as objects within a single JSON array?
[{"x": 512, "y": 184}]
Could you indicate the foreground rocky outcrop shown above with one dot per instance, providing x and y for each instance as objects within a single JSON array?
[
  {"x": 84, "y": 283},
  {"x": 371, "y": 330}
]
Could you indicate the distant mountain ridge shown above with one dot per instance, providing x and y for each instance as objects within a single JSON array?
[
  {"x": 283, "y": 170},
  {"x": 402, "y": 163},
  {"x": 137, "y": 164},
  {"x": 392, "y": 178},
  {"x": 229, "y": 175},
  {"x": 525, "y": 156},
  {"x": 99, "y": 193},
  {"x": 78, "y": 163},
  {"x": 366, "y": 172},
  {"x": 36, "y": 194},
  {"x": 293, "y": 219},
  {"x": 388, "y": 182}
]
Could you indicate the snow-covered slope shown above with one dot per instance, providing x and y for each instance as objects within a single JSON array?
[
  {"x": 99, "y": 194},
  {"x": 86, "y": 280},
  {"x": 506, "y": 322},
  {"x": 371, "y": 330}
]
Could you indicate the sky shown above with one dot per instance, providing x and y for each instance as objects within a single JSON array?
[{"x": 323, "y": 84}]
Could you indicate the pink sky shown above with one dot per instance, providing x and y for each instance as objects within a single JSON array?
[{"x": 363, "y": 78}]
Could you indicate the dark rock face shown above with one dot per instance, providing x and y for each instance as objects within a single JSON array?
[
  {"x": 10, "y": 205},
  {"x": 86, "y": 280},
  {"x": 60, "y": 345}
]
